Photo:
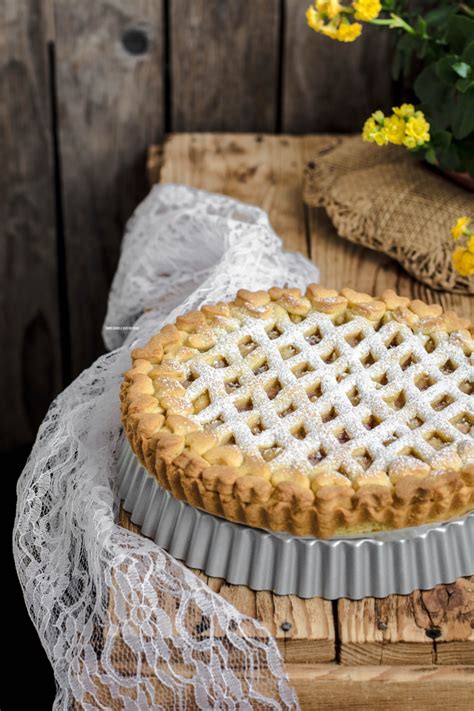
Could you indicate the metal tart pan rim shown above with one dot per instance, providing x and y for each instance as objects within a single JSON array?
[{"x": 376, "y": 565}]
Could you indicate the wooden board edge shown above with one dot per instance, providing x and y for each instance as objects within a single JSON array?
[{"x": 333, "y": 687}]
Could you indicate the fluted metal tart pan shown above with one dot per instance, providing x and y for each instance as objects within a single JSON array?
[{"x": 375, "y": 565}]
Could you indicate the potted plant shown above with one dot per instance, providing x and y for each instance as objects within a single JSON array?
[{"x": 434, "y": 49}]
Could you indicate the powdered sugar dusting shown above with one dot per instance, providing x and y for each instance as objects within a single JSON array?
[{"x": 353, "y": 399}]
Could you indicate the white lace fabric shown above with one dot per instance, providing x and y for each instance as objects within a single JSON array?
[{"x": 124, "y": 625}]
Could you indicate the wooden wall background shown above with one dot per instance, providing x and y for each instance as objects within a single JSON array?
[{"x": 85, "y": 87}]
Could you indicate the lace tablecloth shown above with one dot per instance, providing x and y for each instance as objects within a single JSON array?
[{"x": 124, "y": 624}]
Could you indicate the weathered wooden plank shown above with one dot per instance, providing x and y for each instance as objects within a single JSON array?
[
  {"x": 431, "y": 627},
  {"x": 258, "y": 169},
  {"x": 328, "y": 85},
  {"x": 30, "y": 359},
  {"x": 303, "y": 629},
  {"x": 224, "y": 65},
  {"x": 332, "y": 687},
  {"x": 110, "y": 88}
]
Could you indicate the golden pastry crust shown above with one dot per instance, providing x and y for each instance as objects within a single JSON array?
[{"x": 231, "y": 469}]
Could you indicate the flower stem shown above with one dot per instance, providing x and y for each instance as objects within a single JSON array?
[
  {"x": 467, "y": 10},
  {"x": 395, "y": 22}
]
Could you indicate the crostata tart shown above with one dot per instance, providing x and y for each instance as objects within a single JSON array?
[{"x": 322, "y": 414}]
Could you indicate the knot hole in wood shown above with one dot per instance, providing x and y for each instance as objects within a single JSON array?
[{"x": 135, "y": 41}]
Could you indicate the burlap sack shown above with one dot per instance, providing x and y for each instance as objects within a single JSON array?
[{"x": 386, "y": 200}]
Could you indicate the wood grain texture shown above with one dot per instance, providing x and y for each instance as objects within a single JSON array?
[
  {"x": 259, "y": 169},
  {"x": 110, "y": 110},
  {"x": 224, "y": 65},
  {"x": 30, "y": 359},
  {"x": 397, "y": 629},
  {"x": 303, "y": 629},
  {"x": 332, "y": 687},
  {"x": 328, "y": 85}
]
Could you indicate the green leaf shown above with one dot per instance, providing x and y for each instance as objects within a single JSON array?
[
  {"x": 397, "y": 64},
  {"x": 406, "y": 46},
  {"x": 462, "y": 69},
  {"x": 443, "y": 106},
  {"x": 468, "y": 55},
  {"x": 445, "y": 68},
  {"x": 459, "y": 156},
  {"x": 463, "y": 85},
  {"x": 440, "y": 15},
  {"x": 466, "y": 156},
  {"x": 460, "y": 31},
  {"x": 430, "y": 156},
  {"x": 462, "y": 114},
  {"x": 441, "y": 139},
  {"x": 449, "y": 158},
  {"x": 421, "y": 26},
  {"x": 429, "y": 88},
  {"x": 422, "y": 50}
]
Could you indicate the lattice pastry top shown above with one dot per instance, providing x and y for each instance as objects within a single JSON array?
[{"x": 318, "y": 414}]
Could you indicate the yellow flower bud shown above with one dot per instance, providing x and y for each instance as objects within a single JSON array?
[
  {"x": 463, "y": 261},
  {"x": 349, "y": 32},
  {"x": 329, "y": 31},
  {"x": 331, "y": 8},
  {"x": 314, "y": 19},
  {"x": 404, "y": 111},
  {"x": 459, "y": 228},
  {"x": 374, "y": 129},
  {"x": 367, "y": 10},
  {"x": 380, "y": 137},
  {"x": 369, "y": 129},
  {"x": 395, "y": 129},
  {"x": 409, "y": 142},
  {"x": 418, "y": 128}
]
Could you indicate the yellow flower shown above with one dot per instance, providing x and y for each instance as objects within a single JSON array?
[
  {"x": 409, "y": 142},
  {"x": 380, "y": 137},
  {"x": 463, "y": 261},
  {"x": 367, "y": 10},
  {"x": 348, "y": 32},
  {"x": 417, "y": 128},
  {"x": 369, "y": 130},
  {"x": 329, "y": 30},
  {"x": 395, "y": 129},
  {"x": 338, "y": 27},
  {"x": 331, "y": 8},
  {"x": 374, "y": 132},
  {"x": 459, "y": 228},
  {"x": 470, "y": 244},
  {"x": 404, "y": 127},
  {"x": 404, "y": 111},
  {"x": 314, "y": 19}
]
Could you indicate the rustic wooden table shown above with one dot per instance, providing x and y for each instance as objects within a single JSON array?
[{"x": 395, "y": 653}]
